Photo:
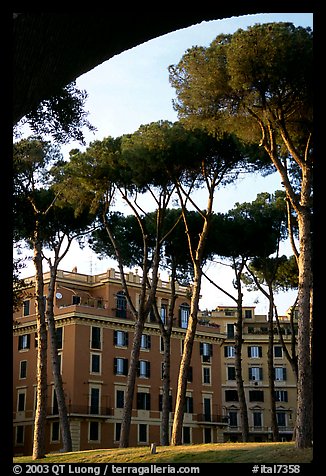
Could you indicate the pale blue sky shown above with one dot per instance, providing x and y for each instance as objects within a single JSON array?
[{"x": 132, "y": 89}]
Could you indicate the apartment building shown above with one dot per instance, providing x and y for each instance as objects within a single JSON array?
[
  {"x": 255, "y": 374},
  {"x": 94, "y": 336}
]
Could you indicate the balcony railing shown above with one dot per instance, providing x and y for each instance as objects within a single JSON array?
[
  {"x": 260, "y": 429},
  {"x": 211, "y": 418},
  {"x": 83, "y": 410}
]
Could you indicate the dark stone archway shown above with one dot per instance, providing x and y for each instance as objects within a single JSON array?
[{"x": 52, "y": 49}]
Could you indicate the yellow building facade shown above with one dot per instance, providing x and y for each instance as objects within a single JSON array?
[{"x": 255, "y": 374}]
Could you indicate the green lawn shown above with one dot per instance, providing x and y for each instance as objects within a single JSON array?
[{"x": 205, "y": 453}]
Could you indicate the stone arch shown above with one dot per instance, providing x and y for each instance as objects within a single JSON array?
[{"x": 52, "y": 49}]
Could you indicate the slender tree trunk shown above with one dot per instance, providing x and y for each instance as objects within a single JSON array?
[
  {"x": 140, "y": 318},
  {"x": 244, "y": 423},
  {"x": 304, "y": 420},
  {"x": 166, "y": 390},
  {"x": 41, "y": 365},
  {"x": 301, "y": 204},
  {"x": 131, "y": 379},
  {"x": 57, "y": 378},
  {"x": 167, "y": 364},
  {"x": 185, "y": 361},
  {"x": 270, "y": 364}
]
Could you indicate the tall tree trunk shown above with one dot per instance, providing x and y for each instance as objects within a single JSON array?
[
  {"x": 185, "y": 361},
  {"x": 165, "y": 438},
  {"x": 57, "y": 378},
  {"x": 131, "y": 379},
  {"x": 302, "y": 205},
  {"x": 304, "y": 419},
  {"x": 244, "y": 423},
  {"x": 41, "y": 365},
  {"x": 165, "y": 423},
  {"x": 270, "y": 365},
  {"x": 140, "y": 318}
]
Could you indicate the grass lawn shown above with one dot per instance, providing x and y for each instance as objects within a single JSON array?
[{"x": 204, "y": 453}]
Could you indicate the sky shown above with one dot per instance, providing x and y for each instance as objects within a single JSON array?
[{"x": 132, "y": 89}]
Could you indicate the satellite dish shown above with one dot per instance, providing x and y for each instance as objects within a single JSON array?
[{"x": 58, "y": 295}]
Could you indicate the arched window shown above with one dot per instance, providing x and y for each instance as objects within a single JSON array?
[
  {"x": 121, "y": 308},
  {"x": 184, "y": 312}
]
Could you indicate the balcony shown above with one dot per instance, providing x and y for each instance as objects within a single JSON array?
[
  {"x": 82, "y": 410},
  {"x": 212, "y": 418}
]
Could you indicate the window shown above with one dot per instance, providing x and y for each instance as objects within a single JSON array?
[
  {"x": 207, "y": 409},
  {"x": 281, "y": 418},
  {"x": 230, "y": 331},
  {"x": 20, "y": 433},
  {"x": 94, "y": 431},
  {"x": 248, "y": 313},
  {"x": 206, "y": 375},
  {"x": 206, "y": 351},
  {"x": 145, "y": 342},
  {"x": 143, "y": 401},
  {"x": 120, "y": 366},
  {"x": 255, "y": 351},
  {"x": 96, "y": 338},
  {"x": 120, "y": 338},
  {"x": 26, "y": 306},
  {"x": 257, "y": 419},
  {"x": 228, "y": 313},
  {"x": 186, "y": 435},
  {"x": 279, "y": 373},
  {"x": 94, "y": 400},
  {"x": 58, "y": 333},
  {"x": 189, "y": 375},
  {"x": 55, "y": 431},
  {"x": 233, "y": 418},
  {"x": 121, "y": 309},
  {"x": 184, "y": 315},
  {"x": 278, "y": 351},
  {"x": 95, "y": 363},
  {"x": 281, "y": 395},
  {"x": 229, "y": 351},
  {"x": 142, "y": 433},
  {"x": 21, "y": 400},
  {"x": 144, "y": 368},
  {"x": 117, "y": 431},
  {"x": 75, "y": 299},
  {"x": 23, "y": 369},
  {"x": 24, "y": 342},
  {"x": 207, "y": 435},
  {"x": 230, "y": 372},
  {"x": 189, "y": 405},
  {"x": 256, "y": 396},
  {"x": 120, "y": 398},
  {"x": 164, "y": 309},
  {"x": 255, "y": 373},
  {"x": 231, "y": 396}
]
